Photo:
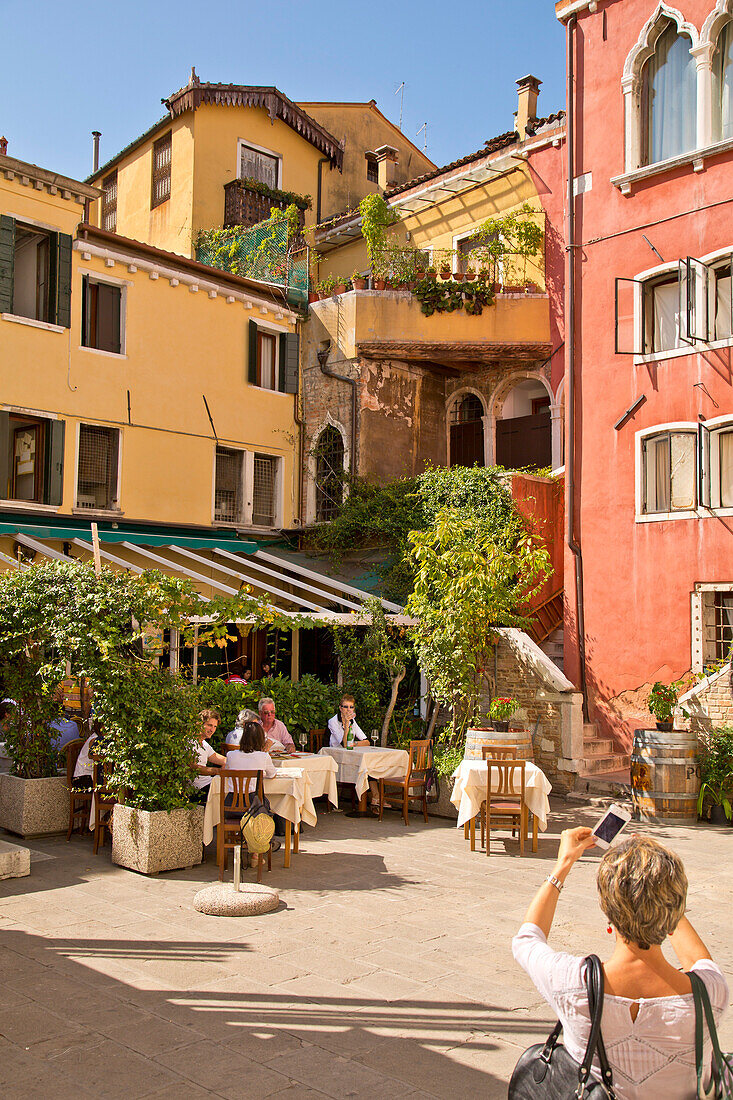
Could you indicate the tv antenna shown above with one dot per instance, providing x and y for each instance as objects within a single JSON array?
[
  {"x": 402, "y": 99},
  {"x": 425, "y": 142}
]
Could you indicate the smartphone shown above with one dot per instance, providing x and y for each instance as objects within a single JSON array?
[{"x": 610, "y": 825}]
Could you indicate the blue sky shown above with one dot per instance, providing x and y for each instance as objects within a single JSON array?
[{"x": 70, "y": 69}]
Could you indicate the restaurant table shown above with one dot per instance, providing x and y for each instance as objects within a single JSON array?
[
  {"x": 359, "y": 765},
  {"x": 322, "y": 772},
  {"x": 469, "y": 792},
  {"x": 289, "y": 795}
]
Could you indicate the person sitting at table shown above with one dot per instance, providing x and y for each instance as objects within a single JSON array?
[
  {"x": 252, "y": 756},
  {"x": 265, "y": 670},
  {"x": 84, "y": 767},
  {"x": 62, "y": 729},
  {"x": 234, "y": 736},
  {"x": 345, "y": 720},
  {"x": 276, "y": 731},
  {"x": 206, "y": 762}
]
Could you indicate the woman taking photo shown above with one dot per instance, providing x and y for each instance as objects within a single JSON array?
[{"x": 648, "y": 1023}]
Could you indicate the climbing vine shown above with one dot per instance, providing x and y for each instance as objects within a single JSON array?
[{"x": 449, "y": 295}]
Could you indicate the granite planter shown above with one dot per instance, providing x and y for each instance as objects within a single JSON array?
[
  {"x": 34, "y": 807},
  {"x": 150, "y": 841}
]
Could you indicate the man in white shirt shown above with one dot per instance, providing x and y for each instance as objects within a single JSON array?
[
  {"x": 207, "y": 761},
  {"x": 275, "y": 730},
  {"x": 343, "y": 722}
]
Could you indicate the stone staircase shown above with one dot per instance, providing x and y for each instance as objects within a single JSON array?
[
  {"x": 600, "y": 756},
  {"x": 554, "y": 647}
]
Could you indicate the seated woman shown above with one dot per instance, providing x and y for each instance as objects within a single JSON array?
[
  {"x": 234, "y": 737},
  {"x": 250, "y": 757},
  {"x": 206, "y": 761},
  {"x": 648, "y": 1024},
  {"x": 341, "y": 723},
  {"x": 84, "y": 767}
]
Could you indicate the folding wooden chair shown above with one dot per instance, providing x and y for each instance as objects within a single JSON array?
[
  {"x": 411, "y": 786},
  {"x": 507, "y": 803},
  {"x": 80, "y": 800},
  {"x": 228, "y": 831}
]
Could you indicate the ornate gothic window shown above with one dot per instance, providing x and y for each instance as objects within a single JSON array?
[
  {"x": 329, "y": 454},
  {"x": 669, "y": 98}
]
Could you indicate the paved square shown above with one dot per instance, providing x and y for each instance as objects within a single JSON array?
[{"x": 386, "y": 972}]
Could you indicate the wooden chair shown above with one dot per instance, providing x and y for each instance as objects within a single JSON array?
[
  {"x": 411, "y": 786},
  {"x": 498, "y": 751},
  {"x": 507, "y": 803},
  {"x": 104, "y": 804},
  {"x": 315, "y": 740},
  {"x": 80, "y": 800},
  {"x": 228, "y": 832}
]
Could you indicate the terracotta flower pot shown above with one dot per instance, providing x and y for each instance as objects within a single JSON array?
[
  {"x": 360, "y": 284},
  {"x": 340, "y": 288},
  {"x": 313, "y": 296},
  {"x": 470, "y": 276},
  {"x": 445, "y": 273},
  {"x": 380, "y": 284},
  {"x": 432, "y": 274}
]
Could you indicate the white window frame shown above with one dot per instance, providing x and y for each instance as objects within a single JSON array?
[
  {"x": 243, "y": 142},
  {"x": 710, "y": 260},
  {"x": 121, "y": 285},
  {"x": 696, "y": 615},
  {"x": 686, "y": 426},
  {"x": 76, "y": 510},
  {"x": 277, "y": 332},
  {"x": 248, "y": 466}
]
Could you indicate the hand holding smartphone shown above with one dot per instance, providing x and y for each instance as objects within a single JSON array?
[{"x": 610, "y": 825}]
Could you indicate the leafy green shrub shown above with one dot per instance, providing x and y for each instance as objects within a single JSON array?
[
  {"x": 716, "y": 770},
  {"x": 303, "y": 705},
  {"x": 446, "y": 758}
]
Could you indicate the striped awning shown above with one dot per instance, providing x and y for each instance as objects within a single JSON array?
[{"x": 215, "y": 567}]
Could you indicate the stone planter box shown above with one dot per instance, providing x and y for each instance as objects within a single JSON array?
[
  {"x": 34, "y": 807},
  {"x": 443, "y": 807},
  {"x": 159, "y": 840}
]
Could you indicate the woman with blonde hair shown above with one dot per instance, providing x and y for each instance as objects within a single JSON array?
[{"x": 648, "y": 1022}]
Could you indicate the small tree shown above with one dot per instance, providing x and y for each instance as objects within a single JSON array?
[{"x": 468, "y": 580}]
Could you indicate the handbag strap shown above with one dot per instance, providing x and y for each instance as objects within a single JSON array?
[
  {"x": 595, "y": 987},
  {"x": 704, "y": 1010}
]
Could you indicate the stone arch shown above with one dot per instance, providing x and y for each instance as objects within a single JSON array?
[
  {"x": 644, "y": 46},
  {"x": 498, "y": 400},
  {"x": 328, "y": 421},
  {"x": 454, "y": 399}
]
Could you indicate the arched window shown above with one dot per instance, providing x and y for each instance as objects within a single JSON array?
[
  {"x": 669, "y": 98},
  {"x": 723, "y": 85},
  {"x": 329, "y": 455},
  {"x": 467, "y": 432}
]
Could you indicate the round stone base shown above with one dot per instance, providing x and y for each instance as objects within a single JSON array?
[{"x": 222, "y": 900}]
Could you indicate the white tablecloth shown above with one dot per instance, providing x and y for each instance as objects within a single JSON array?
[
  {"x": 289, "y": 795},
  {"x": 469, "y": 790},
  {"x": 322, "y": 772},
  {"x": 358, "y": 766}
]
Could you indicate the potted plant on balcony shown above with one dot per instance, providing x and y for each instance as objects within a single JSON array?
[
  {"x": 431, "y": 273},
  {"x": 470, "y": 274},
  {"x": 661, "y": 701},
  {"x": 359, "y": 281},
  {"x": 501, "y": 708},
  {"x": 716, "y": 775},
  {"x": 326, "y": 287}
]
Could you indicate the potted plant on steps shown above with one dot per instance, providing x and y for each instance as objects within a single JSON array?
[
  {"x": 150, "y": 722},
  {"x": 716, "y": 775}
]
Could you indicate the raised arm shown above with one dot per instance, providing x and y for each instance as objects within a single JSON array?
[
  {"x": 687, "y": 945},
  {"x": 573, "y": 842}
]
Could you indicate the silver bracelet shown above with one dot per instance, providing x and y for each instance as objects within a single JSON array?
[{"x": 555, "y": 882}]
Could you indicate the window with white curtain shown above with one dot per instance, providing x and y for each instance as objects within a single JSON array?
[
  {"x": 723, "y": 85},
  {"x": 669, "y": 98},
  {"x": 662, "y": 315},
  {"x": 719, "y": 450},
  {"x": 723, "y": 311},
  {"x": 670, "y": 472}
]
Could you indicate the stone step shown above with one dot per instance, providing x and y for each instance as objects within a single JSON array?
[
  {"x": 605, "y": 787},
  {"x": 599, "y": 746},
  {"x": 612, "y": 762}
]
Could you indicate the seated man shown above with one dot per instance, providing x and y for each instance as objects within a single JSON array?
[
  {"x": 62, "y": 729},
  {"x": 84, "y": 767},
  {"x": 207, "y": 762},
  {"x": 276, "y": 733},
  {"x": 341, "y": 723}
]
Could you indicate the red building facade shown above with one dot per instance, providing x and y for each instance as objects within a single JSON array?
[{"x": 649, "y": 381}]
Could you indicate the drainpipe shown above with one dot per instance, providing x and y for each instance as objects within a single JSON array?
[
  {"x": 573, "y": 544},
  {"x": 322, "y": 357}
]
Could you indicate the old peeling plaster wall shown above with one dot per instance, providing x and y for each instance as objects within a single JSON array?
[{"x": 402, "y": 412}]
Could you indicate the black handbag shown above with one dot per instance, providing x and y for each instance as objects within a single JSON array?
[
  {"x": 721, "y": 1083},
  {"x": 548, "y": 1072}
]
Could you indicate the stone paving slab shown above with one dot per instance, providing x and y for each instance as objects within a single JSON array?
[{"x": 386, "y": 971}]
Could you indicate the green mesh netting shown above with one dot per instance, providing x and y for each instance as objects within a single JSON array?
[{"x": 260, "y": 253}]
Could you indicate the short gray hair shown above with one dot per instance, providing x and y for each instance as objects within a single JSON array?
[
  {"x": 263, "y": 702},
  {"x": 246, "y": 716}
]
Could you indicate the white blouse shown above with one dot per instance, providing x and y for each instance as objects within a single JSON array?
[
  {"x": 238, "y": 761},
  {"x": 653, "y": 1056}
]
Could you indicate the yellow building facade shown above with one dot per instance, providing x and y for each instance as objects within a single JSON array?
[{"x": 139, "y": 388}]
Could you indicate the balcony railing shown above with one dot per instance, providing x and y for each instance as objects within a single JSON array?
[
  {"x": 261, "y": 252},
  {"x": 244, "y": 205}
]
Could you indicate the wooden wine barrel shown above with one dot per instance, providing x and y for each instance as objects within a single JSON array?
[
  {"x": 665, "y": 776},
  {"x": 477, "y": 738}
]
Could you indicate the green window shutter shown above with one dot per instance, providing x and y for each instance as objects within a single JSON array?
[
  {"x": 289, "y": 362},
  {"x": 53, "y": 489},
  {"x": 4, "y": 454},
  {"x": 281, "y": 353},
  {"x": 252, "y": 364},
  {"x": 7, "y": 258},
  {"x": 63, "y": 281}
]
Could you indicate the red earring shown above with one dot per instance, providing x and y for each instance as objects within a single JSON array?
[{"x": 610, "y": 929}]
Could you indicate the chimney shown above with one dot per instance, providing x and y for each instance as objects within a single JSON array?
[
  {"x": 3, "y": 146},
  {"x": 96, "y": 135},
  {"x": 529, "y": 89},
  {"x": 387, "y": 163}
]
